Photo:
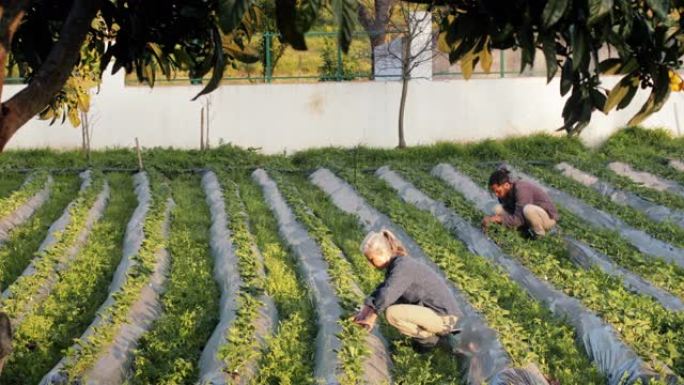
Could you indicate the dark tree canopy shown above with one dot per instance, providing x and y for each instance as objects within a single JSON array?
[
  {"x": 644, "y": 37},
  {"x": 61, "y": 46}
]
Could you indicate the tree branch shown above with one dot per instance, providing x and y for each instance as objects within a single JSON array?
[{"x": 52, "y": 75}]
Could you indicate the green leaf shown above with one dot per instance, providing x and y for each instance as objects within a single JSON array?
[
  {"x": 549, "y": 47},
  {"x": 610, "y": 66},
  {"x": 218, "y": 67},
  {"x": 580, "y": 47},
  {"x": 598, "y": 9},
  {"x": 659, "y": 95},
  {"x": 286, "y": 19},
  {"x": 567, "y": 76},
  {"x": 230, "y": 13},
  {"x": 659, "y": 7},
  {"x": 553, "y": 11},
  {"x": 345, "y": 11},
  {"x": 620, "y": 91}
]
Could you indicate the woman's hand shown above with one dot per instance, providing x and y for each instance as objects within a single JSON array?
[{"x": 366, "y": 317}]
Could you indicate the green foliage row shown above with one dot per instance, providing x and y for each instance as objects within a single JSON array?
[
  {"x": 408, "y": 367},
  {"x": 25, "y": 288},
  {"x": 24, "y": 240},
  {"x": 169, "y": 353},
  {"x": 289, "y": 355},
  {"x": 242, "y": 347},
  {"x": 22, "y": 195},
  {"x": 353, "y": 348},
  {"x": 73, "y": 302},
  {"x": 668, "y": 232},
  {"x": 648, "y": 150},
  {"x": 528, "y": 331},
  {"x": 9, "y": 182},
  {"x": 79, "y": 360},
  {"x": 653, "y": 332}
]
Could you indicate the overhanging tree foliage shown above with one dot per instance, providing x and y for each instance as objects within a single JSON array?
[
  {"x": 644, "y": 36},
  {"x": 61, "y": 46}
]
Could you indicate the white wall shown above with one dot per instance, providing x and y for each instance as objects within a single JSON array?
[{"x": 289, "y": 117}]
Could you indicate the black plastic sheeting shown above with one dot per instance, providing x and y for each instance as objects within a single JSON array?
[
  {"x": 676, "y": 164},
  {"x": 600, "y": 342},
  {"x": 25, "y": 211},
  {"x": 133, "y": 239},
  {"x": 583, "y": 255},
  {"x": 647, "y": 179},
  {"x": 314, "y": 269},
  {"x": 94, "y": 214},
  {"x": 485, "y": 359},
  {"x": 226, "y": 274},
  {"x": 377, "y": 366},
  {"x": 654, "y": 211},
  {"x": 50, "y": 240},
  {"x": 114, "y": 364},
  {"x": 639, "y": 239}
]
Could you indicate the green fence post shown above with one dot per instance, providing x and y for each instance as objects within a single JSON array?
[
  {"x": 267, "y": 48},
  {"x": 502, "y": 65},
  {"x": 339, "y": 61}
]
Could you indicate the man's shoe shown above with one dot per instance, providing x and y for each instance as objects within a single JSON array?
[{"x": 424, "y": 346}]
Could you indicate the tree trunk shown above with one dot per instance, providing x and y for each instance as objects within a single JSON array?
[
  {"x": 12, "y": 12},
  {"x": 402, "y": 106},
  {"x": 52, "y": 75}
]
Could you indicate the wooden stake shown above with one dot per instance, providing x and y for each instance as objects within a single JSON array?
[
  {"x": 207, "y": 145},
  {"x": 202, "y": 129},
  {"x": 140, "y": 161}
]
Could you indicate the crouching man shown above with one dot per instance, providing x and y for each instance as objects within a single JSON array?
[{"x": 523, "y": 205}]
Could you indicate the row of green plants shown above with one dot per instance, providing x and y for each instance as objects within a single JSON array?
[
  {"x": 73, "y": 302},
  {"x": 289, "y": 354},
  {"x": 242, "y": 346},
  {"x": 25, "y": 289},
  {"x": 667, "y": 232},
  {"x": 652, "y": 331},
  {"x": 20, "y": 196},
  {"x": 10, "y": 182},
  {"x": 169, "y": 353},
  {"x": 24, "y": 240},
  {"x": 528, "y": 331},
  {"x": 409, "y": 367},
  {"x": 519, "y": 151},
  {"x": 354, "y": 349},
  {"x": 647, "y": 150},
  {"x": 80, "y": 359},
  {"x": 668, "y": 276}
]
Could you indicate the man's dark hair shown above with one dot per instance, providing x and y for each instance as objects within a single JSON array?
[{"x": 499, "y": 177}]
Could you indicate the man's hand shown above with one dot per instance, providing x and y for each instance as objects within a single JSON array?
[
  {"x": 366, "y": 318},
  {"x": 486, "y": 221}
]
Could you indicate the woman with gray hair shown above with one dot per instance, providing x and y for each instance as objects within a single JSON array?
[{"x": 414, "y": 299}]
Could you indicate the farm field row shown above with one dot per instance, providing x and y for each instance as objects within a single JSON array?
[{"x": 230, "y": 267}]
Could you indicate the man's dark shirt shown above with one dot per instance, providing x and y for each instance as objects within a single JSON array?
[
  {"x": 523, "y": 193},
  {"x": 408, "y": 281}
]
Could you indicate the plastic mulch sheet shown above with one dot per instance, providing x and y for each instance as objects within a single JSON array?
[
  {"x": 23, "y": 213},
  {"x": 314, "y": 267},
  {"x": 133, "y": 239},
  {"x": 212, "y": 368},
  {"x": 639, "y": 239},
  {"x": 646, "y": 178},
  {"x": 485, "y": 359}
]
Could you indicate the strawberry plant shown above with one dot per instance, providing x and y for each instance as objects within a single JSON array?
[
  {"x": 506, "y": 307},
  {"x": 25, "y": 291},
  {"x": 71, "y": 306},
  {"x": 17, "y": 252},
  {"x": 168, "y": 354}
]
